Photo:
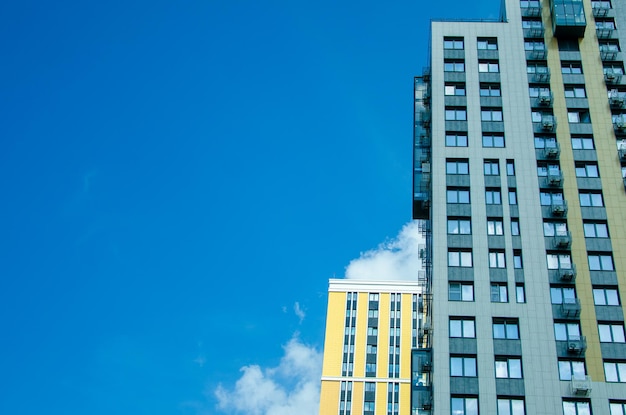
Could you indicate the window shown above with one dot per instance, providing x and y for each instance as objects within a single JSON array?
[
  {"x": 493, "y": 196},
  {"x": 499, "y": 293},
  {"x": 587, "y": 170},
  {"x": 372, "y": 313},
  {"x": 487, "y": 43},
  {"x": 565, "y": 331},
  {"x": 508, "y": 368},
  {"x": 605, "y": 24},
  {"x": 451, "y": 65},
  {"x": 457, "y": 166},
  {"x": 545, "y": 142},
  {"x": 462, "y": 327},
  {"x": 491, "y": 167},
  {"x": 578, "y": 116},
  {"x": 611, "y": 333},
  {"x": 539, "y": 116},
  {"x": 493, "y": 140},
  {"x": 490, "y": 90},
  {"x": 576, "y": 408},
  {"x": 510, "y": 406},
  {"x": 372, "y": 331},
  {"x": 515, "y": 227},
  {"x": 545, "y": 169},
  {"x": 590, "y": 199},
  {"x": 568, "y": 45},
  {"x": 520, "y": 293},
  {"x": 617, "y": 407},
  {"x": 529, "y": 3},
  {"x": 456, "y": 139},
  {"x": 454, "y": 89},
  {"x": 517, "y": 259},
  {"x": 458, "y": 195},
  {"x": 495, "y": 226},
  {"x": 488, "y": 66},
  {"x": 582, "y": 143},
  {"x": 537, "y": 68},
  {"x": 510, "y": 168},
  {"x": 554, "y": 228},
  {"x": 609, "y": 46},
  {"x": 595, "y": 229},
  {"x": 615, "y": 371},
  {"x": 600, "y": 262},
  {"x": 571, "y": 369},
  {"x": 532, "y": 23},
  {"x": 370, "y": 369},
  {"x": 463, "y": 366},
  {"x": 456, "y": 114},
  {"x": 370, "y": 386},
  {"x": 505, "y": 329},
  {"x": 462, "y": 405},
  {"x": 459, "y": 258},
  {"x": 571, "y": 68},
  {"x": 459, "y": 226},
  {"x": 550, "y": 198},
  {"x": 453, "y": 43},
  {"x": 512, "y": 197},
  {"x": 538, "y": 91},
  {"x": 534, "y": 45},
  {"x": 373, "y": 297},
  {"x": 496, "y": 260},
  {"x": 562, "y": 295},
  {"x": 575, "y": 91},
  {"x": 559, "y": 261},
  {"x": 601, "y": 4},
  {"x": 605, "y": 296},
  {"x": 460, "y": 291},
  {"x": 491, "y": 114},
  {"x": 615, "y": 68}
]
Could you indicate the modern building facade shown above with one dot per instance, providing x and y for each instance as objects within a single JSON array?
[{"x": 520, "y": 155}]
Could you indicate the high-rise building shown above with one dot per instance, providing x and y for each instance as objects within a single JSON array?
[{"x": 520, "y": 155}]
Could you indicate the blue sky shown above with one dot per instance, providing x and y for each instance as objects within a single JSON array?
[{"x": 180, "y": 179}]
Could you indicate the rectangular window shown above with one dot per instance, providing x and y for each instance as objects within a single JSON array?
[
  {"x": 496, "y": 259},
  {"x": 611, "y": 333},
  {"x": 454, "y": 89},
  {"x": 559, "y": 261},
  {"x": 613, "y": 68},
  {"x": 491, "y": 114},
  {"x": 587, "y": 169},
  {"x": 464, "y": 405},
  {"x": 542, "y": 142},
  {"x": 505, "y": 329},
  {"x": 460, "y": 291},
  {"x": 493, "y": 196},
  {"x": 495, "y": 226},
  {"x": 510, "y": 168},
  {"x": 601, "y": 4},
  {"x": 463, "y": 366},
  {"x": 487, "y": 43},
  {"x": 554, "y": 228},
  {"x": 453, "y": 65},
  {"x": 491, "y": 167},
  {"x": 562, "y": 295},
  {"x": 566, "y": 331},
  {"x": 578, "y": 116},
  {"x": 462, "y": 327},
  {"x": 605, "y": 296},
  {"x": 605, "y": 23},
  {"x": 515, "y": 227},
  {"x": 520, "y": 293},
  {"x": 529, "y": 3},
  {"x": 595, "y": 229},
  {"x": 517, "y": 259},
  {"x": 536, "y": 91},
  {"x": 459, "y": 226},
  {"x": 459, "y": 258},
  {"x": 456, "y": 139},
  {"x": 615, "y": 372},
  {"x": 576, "y": 408},
  {"x": 456, "y": 114},
  {"x": 453, "y": 43},
  {"x": 490, "y": 90},
  {"x": 600, "y": 262},
  {"x": 455, "y": 195},
  {"x": 551, "y": 198},
  {"x": 617, "y": 407},
  {"x": 544, "y": 169},
  {"x": 571, "y": 68},
  {"x": 488, "y": 66},
  {"x": 532, "y": 23},
  {"x": 512, "y": 197},
  {"x": 508, "y": 368},
  {"x": 530, "y": 45},
  {"x": 582, "y": 143},
  {"x": 499, "y": 293},
  {"x": 493, "y": 140},
  {"x": 457, "y": 166},
  {"x": 571, "y": 369},
  {"x": 575, "y": 91},
  {"x": 591, "y": 199},
  {"x": 511, "y": 406}
]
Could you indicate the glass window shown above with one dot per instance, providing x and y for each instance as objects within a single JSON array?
[
  {"x": 571, "y": 369},
  {"x": 611, "y": 333},
  {"x": 456, "y": 139},
  {"x": 605, "y": 23},
  {"x": 491, "y": 168},
  {"x": 575, "y": 91},
  {"x": 459, "y": 258},
  {"x": 512, "y": 197},
  {"x": 529, "y": 3},
  {"x": 544, "y": 169},
  {"x": 559, "y": 261},
  {"x": 496, "y": 259},
  {"x": 582, "y": 143},
  {"x": 499, "y": 293},
  {"x": 578, "y": 116},
  {"x": 462, "y": 327},
  {"x": 545, "y": 142},
  {"x": 587, "y": 170},
  {"x": 520, "y": 293},
  {"x": 517, "y": 259},
  {"x": 457, "y": 166},
  {"x": 458, "y": 195},
  {"x": 615, "y": 371},
  {"x": 462, "y": 405},
  {"x": 515, "y": 227},
  {"x": 505, "y": 329},
  {"x": 532, "y": 23},
  {"x": 487, "y": 43},
  {"x": 600, "y": 262},
  {"x": 534, "y": 45},
  {"x": 613, "y": 68},
  {"x": 453, "y": 43},
  {"x": 490, "y": 90},
  {"x": 571, "y": 68},
  {"x": 590, "y": 199},
  {"x": 566, "y": 331},
  {"x": 491, "y": 114},
  {"x": 495, "y": 226},
  {"x": 510, "y": 168},
  {"x": 576, "y": 408},
  {"x": 605, "y": 296},
  {"x": 451, "y": 65},
  {"x": 493, "y": 197},
  {"x": 562, "y": 295},
  {"x": 488, "y": 66},
  {"x": 617, "y": 407},
  {"x": 595, "y": 229},
  {"x": 454, "y": 89},
  {"x": 463, "y": 366},
  {"x": 508, "y": 367},
  {"x": 554, "y": 228},
  {"x": 459, "y": 226},
  {"x": 493, "y": 140},
  {"x": 511, "y": 406},
  {"x": 456, "y": 114},
  {"x": 460, "y": 291},
  {"x": 535, "y": 91}
]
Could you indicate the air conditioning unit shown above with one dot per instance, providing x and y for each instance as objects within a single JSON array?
[
  {"x": 581, "y": 387},
  {"x": 545, "y": 99},
  {"x": 547, "y": 124},
  {"x": 427, "y": 367},
  {"x": 610, "y": 77},
  {"x": 552, "y": 152},
  {"x": 555, "y": 179},
  {"x": 558, "y": 209},
  {"x": 427, "y": 405},
  {"x": 568, "y": 274}
]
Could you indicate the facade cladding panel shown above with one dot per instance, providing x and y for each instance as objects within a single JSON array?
[{"x": 539, "y": 275}]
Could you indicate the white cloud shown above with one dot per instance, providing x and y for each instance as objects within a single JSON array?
[
  {"x": 299, "y": 311},
  {"x": 293, "y": 387},
  {"x": 393, "y": 260}
]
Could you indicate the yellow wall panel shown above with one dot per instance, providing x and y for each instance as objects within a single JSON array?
[
  {"x": 329, "y": 397},
  {"x": 333, "y": 342}
]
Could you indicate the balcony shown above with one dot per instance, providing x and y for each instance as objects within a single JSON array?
[
  {"x": 563, "y": 241},
  {"x": 544, "y": 100},
  {"x": 619, "y": 125},
  {"x": 555, "y": 179},
  {"x": 536, "y": 53},
  {"x": 621, "y": 152},
  {"x": 567, "y": 274},
  {"x": 552, "y": 152},
  {"x": 568, "y": 18},
  {"x": 540, "y": 75},
  {"x": 570, "y": 308},
  {"x": 531, "y": 11},
  {"x": 582, "y": 386},
  {"x": 605, "y": 32},
  {"x": 616, "y": 100},
  {"x": 534, "y": 32},
  {"x": 548, "y": 123},
  {"x": 607, "y": 54},
  {"x": 612, "y": 78},
  {"x": 600, "y": 11},
  {"x": 577, "y": 345}
]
